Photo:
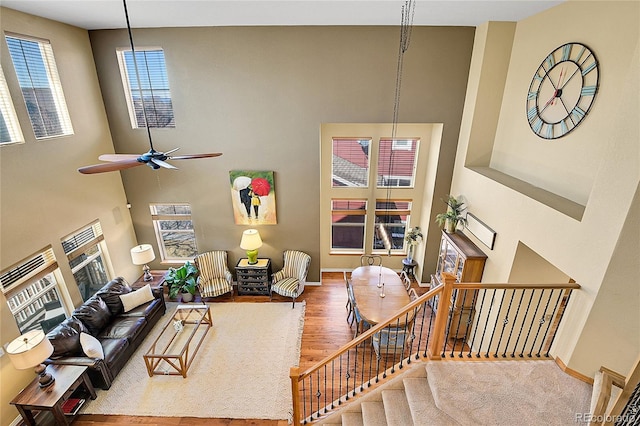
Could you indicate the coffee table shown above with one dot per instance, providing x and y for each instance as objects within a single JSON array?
[{"x": 175, "y": 348}]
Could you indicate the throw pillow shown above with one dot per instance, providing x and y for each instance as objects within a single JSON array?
[
  {"x": 91, "y": 346},
  {"x": 111, "y": 292},
  {"x": 137, "y": 298},
  {"x": 94, "y": 313}
]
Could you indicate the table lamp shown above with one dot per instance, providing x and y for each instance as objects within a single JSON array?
[
  {"x": 251, "y": 242},
  {"x": 29, "y": 351},
  {"x": 141, "y": 255}
]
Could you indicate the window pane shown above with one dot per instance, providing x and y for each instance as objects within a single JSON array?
[
  {"x": 397, "y": 163},
  {"x": 37, "y": 305},
  {"x": 350, "y": 164},
  {"x": 149, "y": 86},
  {"x": 391, "y": 220},
  {"x": 176, "y": 237},
  {"x": 89, "y": 272},
  {"x": 178, "y": 245},
  {"x": 173, "y": 225},
  {"x": 10, "y": 131},
  {"x": 37, "y": 74},
  {"x": 348, "y": 224}
]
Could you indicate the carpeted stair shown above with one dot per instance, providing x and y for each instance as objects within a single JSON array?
[{"x": 439, "y": 394}]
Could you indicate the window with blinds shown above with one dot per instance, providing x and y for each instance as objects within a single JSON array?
[
  {"x": 147, "y": 88},
  {"x": 397, "y": 162},
  {"x": 10, "y": 131},
  {"x": 348, "y": 218},
  {"x": 391, "y": 220},
  {"x": 174, "y": 232},
  {"x": 38, "y": 77},
  {"x": 85, "y": 250},
  {"x": 33, "y": 292}
]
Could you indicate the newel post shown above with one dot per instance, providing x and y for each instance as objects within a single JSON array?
[
  {"x": 294, "y": 374},
  {"x": 442, "y": 316}
]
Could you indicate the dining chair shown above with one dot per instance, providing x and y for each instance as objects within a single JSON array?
[
  {"x": 361, "y": 324},
  {"x": 412, "y": 294},
  {"x": 215, "y": 278},
  {"x": 405, "y": 280},
  {"x": 348, "y": 306},
  {"x": 370, "y": 260}
]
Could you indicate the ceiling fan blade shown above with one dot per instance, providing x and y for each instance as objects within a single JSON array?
[
  {"x": 192, "y": 156},
  {"x": 110, "y": 167},
  {"x": 170, "y": 151},
  {"x": 163, "y": 164},
  {"x": 118, "y": 157}
]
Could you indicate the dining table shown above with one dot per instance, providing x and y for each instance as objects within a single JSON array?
[{"x": 373, "y": 307}]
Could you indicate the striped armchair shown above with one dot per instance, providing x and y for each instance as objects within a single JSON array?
[
  {"x": 289, "y": 281},
  {"x": 215, "y": 278}
]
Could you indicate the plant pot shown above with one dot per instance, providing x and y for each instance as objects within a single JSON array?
[
  {"x": 187, "y": 297},
  {"x": 450, "y": 226}
]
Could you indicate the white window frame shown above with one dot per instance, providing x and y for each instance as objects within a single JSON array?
[
  {"x": 54, "y": 85},
  {"x": 26, "y": 283},
  {"x": 9, "y": 115},
  {"x": 128, "y": 90},
  {"x": 88, "y": 239},
  {"x": 157, "y": 218}
]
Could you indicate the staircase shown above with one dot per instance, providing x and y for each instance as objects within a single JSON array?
[{"x": 411, "y": 399}]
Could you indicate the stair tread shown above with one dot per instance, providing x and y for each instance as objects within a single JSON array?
[
  {"x": 352, "y": 419},
  {"x": 373, "y": 413},
  {"x": 424, "y": 411},
  {"x": 396, "y": 407}
]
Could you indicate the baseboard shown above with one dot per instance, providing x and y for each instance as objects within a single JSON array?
[{"x": 572, "y": 372}]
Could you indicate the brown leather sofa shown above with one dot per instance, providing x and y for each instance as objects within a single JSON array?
[{"x": 120, "y": 333}]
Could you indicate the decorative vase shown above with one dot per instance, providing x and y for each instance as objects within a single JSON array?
[
  {"x": 410, "y": 252},
  {"x": 187, "y": 297}
]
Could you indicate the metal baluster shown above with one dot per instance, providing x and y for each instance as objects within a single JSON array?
[
  {"x": 422, "y": 311},
  {"x": 340, "y": 380},
  {"x": 523, "y": 325},
  {"x": 455, "y": 336},
  {"x": 493, "y": 296},
  {"x": 493, "y": 332},
  {"x": 347, "y": 375},
  {"x": 541, "y": 322},
  {"x": 362, "y": 366},
  {"x": 535, "y": 314},
  {"x": 504, "y": 325},
  {"x": 553, "y": 314},
  {"x": 469, "y": 321},
  {"x": 454, "y": 295},
  {"x": 304, "y": 403},
  {"x": 569, "y": 292},
  {"x": 426, "y": 343},
  {"x": 325, "y": 389},
  {"x": 484, "y": 293},
  {"x": 318, "y": 393},
  {"x": 333, "y": 383},
  {"x": 515, "y": 319},
  {"x": 371, "y": 351}
]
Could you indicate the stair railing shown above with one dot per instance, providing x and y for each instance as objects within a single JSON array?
[{"x": 459, "y": 321}]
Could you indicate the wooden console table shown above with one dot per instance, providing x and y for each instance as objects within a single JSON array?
[{"x": 69, "y": 378}]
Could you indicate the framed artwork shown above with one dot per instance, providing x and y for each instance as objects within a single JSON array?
[{"x": 253, "y": 197}]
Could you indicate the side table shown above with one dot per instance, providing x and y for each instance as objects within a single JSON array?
[
  {"x": 254, "y": 279},
  {"x": 157, "y": 282},
  {"x": 69, "y": 378},
  {"x": 408, "y": 266}
]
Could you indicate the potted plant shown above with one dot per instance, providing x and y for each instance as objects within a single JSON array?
[
  {"x": 182, "y": 280},
  {"x": 450, "y": 219},
  {"x": 413, "y": 237}
]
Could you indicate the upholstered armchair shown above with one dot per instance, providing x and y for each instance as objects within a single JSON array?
[
  {"x": 215, "y": 278},
  {"x": 290, "y": 280}
]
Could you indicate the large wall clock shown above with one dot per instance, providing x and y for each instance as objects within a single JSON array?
[{"x": 562, "y": 91}]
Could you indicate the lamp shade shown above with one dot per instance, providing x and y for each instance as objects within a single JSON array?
[
  {"x": 29, "y": 350},
  {"x": 251, "y": 240},
  {"x": 142, "y": 254}
]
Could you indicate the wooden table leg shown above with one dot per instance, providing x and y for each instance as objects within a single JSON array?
[
  {"x": 27, "y": 416},
  {"x": 88, "y": 385},
  {"x": 58, "y": 414}
]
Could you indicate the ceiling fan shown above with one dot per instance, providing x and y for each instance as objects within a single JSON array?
[{"x": 152, "y": 158}]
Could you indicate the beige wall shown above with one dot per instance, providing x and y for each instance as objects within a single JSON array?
[
  {"x": 42, "y": 196},
  {"x": 599, "y": 161},
  {"x": 260, "y": 95}
]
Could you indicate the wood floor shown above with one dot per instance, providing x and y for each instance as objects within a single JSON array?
[{"x": 325, "y": 331}]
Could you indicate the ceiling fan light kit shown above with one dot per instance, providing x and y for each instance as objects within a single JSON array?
[{"x": 152, "y": 158}]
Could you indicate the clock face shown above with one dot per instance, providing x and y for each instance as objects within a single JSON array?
[{"x": 562, "y": 91}]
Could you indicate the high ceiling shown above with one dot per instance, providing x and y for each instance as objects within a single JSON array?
[{"x": 103, "y": 14}]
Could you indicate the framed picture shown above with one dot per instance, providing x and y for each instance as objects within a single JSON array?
[{"x": 253, "y": 197}]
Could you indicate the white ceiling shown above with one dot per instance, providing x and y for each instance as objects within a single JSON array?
[{"x": 102, "y": 14}]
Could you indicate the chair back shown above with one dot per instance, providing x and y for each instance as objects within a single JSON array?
[
  {"x": 296, "y": 264},
  {"x": 412, "y": 294},
  {"x": 405, "y": 280},
  {"x": 212, "y": 264},
  {"x": 370, "y": 260}
]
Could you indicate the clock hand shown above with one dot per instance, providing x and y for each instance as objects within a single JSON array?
[{"x": 558, "y": 92}]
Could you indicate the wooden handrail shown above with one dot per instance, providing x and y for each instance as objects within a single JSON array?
[{"x": 437, "y": 333}]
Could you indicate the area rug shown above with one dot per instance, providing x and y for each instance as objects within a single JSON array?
[{"x": 241, "y": 371}]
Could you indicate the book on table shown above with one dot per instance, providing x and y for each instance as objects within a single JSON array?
[{"x": 72, "y": 405}]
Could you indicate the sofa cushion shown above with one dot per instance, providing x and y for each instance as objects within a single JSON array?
[
  {"x": 123, "y": 328},
  {"x": 114, "y": 350},
  {"x": 91, "y": 346},
  {"x": 94, "y": 313},
  {"x": 65, "y": 338},
  {"x": 111, "y": 292},
  {"x": 136, "y": 298}
]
